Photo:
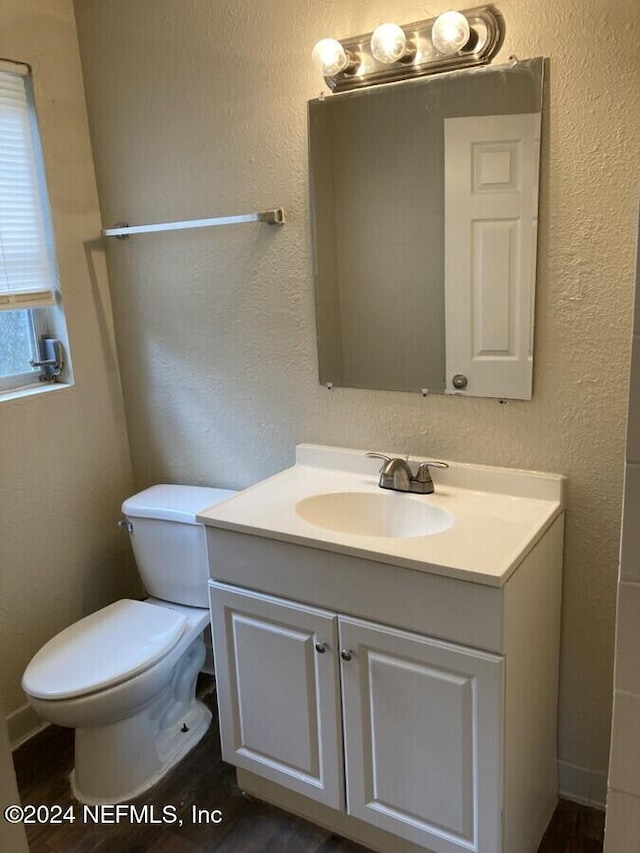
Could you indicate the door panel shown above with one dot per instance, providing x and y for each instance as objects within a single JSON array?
[
  {"x": 285, "y": 725},
  {"x": 278, "y": 696},
  {"x": 423, "y": 728},
  {"x": 427, "y": 777}
]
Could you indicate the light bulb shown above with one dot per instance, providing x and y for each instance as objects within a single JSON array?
[
  {"x": 388, "y": 43},
  {"x": 450, "y": 32},
  {"x": 329, "y": 57}
]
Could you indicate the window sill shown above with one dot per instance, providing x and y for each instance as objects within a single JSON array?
[{"x": 32, "y": 391}]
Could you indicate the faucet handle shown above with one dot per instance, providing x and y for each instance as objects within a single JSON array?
[
  {"x": 373, "y": 455},
  {"x": 423, "y": 475}
]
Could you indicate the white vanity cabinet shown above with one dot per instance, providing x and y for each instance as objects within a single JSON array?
[
  {"x": 397, "y": 687},
  {"x": 421, "y": 719}
]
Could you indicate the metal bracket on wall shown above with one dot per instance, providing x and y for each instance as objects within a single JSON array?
[{"x": 275, "y": 216}]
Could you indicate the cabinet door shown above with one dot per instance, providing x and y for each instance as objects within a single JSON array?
[
  {"x": 278, "y": 696},
  {"x": 423, "y": 737}
]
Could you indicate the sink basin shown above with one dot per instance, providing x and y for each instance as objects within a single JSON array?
[{"x": 374, "y": 514}]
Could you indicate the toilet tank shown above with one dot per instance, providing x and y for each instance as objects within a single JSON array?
[{"x": 168, "y": 544}]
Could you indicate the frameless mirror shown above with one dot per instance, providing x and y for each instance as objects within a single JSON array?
[{"x": 424, "y": 202}]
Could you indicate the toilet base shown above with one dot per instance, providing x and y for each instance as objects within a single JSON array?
[
  {"x": 119, "y": 761},
  {"x": 103, "y": 775}
]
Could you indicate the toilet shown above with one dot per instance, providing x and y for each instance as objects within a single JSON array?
[{"x": 124, "y": 677}]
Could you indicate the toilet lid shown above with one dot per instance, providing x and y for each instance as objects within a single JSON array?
[
  {"x": 173, "y": 503},
  {"x": 103, "y": 649}
]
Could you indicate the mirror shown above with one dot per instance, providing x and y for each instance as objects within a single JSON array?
[{"x": 424, "y": 200}]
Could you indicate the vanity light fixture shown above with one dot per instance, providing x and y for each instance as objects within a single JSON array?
[{"x": 449, "y": 42}]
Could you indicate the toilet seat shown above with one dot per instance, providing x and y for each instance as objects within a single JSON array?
[{"x": 103, "y": 649}]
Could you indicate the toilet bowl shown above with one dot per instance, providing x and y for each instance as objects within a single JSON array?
[{"x": 124, "y": 677}]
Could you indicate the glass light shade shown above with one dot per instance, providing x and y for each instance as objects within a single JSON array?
[
  {"x": 329, "y": 57},
  {"x": 388, "y": 43},
  {"x": 450, "y": 32}
]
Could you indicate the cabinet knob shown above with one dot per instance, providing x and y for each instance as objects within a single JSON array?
[
  {"x": 321, "y": 648},
  {"x": 346, "y": 654}
]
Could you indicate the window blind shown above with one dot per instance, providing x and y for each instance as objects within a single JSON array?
[{"x": 26, "y": 271}]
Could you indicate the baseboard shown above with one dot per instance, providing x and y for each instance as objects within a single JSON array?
[
  {"x": 582, "y": 785},
  {"x": 23, "y": 724}
]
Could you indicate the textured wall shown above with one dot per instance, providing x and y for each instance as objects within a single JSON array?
[
  {"x": 199, "y": 108},
  {"x": 64, "y": 458}
]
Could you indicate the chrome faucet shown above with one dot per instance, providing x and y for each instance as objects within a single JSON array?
[{"x": 396, "y": 474}]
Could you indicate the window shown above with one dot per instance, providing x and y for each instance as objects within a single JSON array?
[{"x": 29, "y": 306}]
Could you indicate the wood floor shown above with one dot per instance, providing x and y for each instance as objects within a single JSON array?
[{"x": 43, "y": 765}]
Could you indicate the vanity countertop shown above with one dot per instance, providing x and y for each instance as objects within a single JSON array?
[{"x": 499, "y": 513}]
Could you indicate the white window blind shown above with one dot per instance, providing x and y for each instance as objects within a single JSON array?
[{"x": 26, "y": 271}]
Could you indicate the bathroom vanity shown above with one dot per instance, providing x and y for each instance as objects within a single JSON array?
[{"x": 387, "y": 663}]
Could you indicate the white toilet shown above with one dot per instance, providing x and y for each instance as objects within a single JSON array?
[{"x": 124, "y": 678}]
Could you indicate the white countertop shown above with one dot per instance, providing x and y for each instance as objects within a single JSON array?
[{"x": 499, "y": 513}]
